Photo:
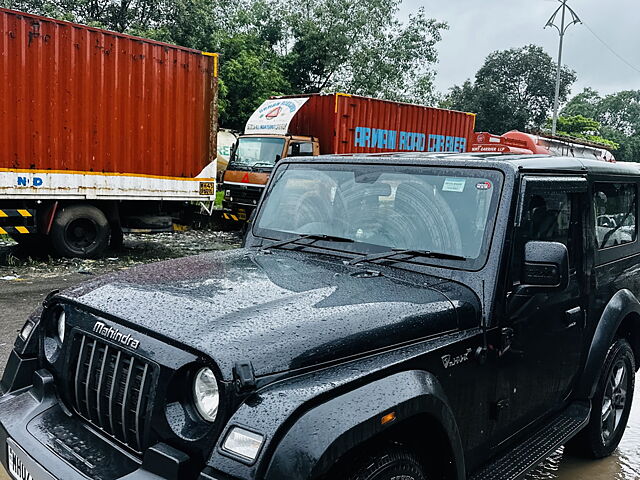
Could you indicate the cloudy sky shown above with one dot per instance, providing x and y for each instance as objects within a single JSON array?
[{"x": 478, "y": 28}]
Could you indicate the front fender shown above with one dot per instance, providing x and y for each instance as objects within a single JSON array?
[
  {"x": 619, "y": 307},
  {"x": 323, "y": 434}
]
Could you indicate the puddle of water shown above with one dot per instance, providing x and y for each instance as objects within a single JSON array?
[{"x": 624, "y": 464}]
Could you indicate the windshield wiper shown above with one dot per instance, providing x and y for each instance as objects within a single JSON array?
[
  {"x": 307, "y": 236},
  {"x": 408, "y": 253}
]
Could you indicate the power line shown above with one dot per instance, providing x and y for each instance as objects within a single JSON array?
[{"x": 624, "y": 60}]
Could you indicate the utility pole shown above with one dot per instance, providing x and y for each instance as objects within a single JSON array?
[{"x": 562, "y": 29}]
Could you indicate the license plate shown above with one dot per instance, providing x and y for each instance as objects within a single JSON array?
[
  {"x": 207, "y": 188},
  {"x": 16, "y": 467}
]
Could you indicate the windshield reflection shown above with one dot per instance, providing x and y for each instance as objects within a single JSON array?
[{"x": 417, "y": 208}]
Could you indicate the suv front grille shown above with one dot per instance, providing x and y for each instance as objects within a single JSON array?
[{"x": 110, "y": 389}]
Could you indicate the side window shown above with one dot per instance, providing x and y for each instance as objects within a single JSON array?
[
  {"x": 300, "y": 149},
  {"x": 549, "y": 216},
  {"x": 615, "y": 210}
]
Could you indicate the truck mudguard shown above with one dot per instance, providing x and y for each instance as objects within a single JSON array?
[
  {"x": 326, "y": 432},
  {"x": 619, "y": 307}
]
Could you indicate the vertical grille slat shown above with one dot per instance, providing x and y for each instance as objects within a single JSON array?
[
  {"x": 109, "y": 388},
  {"x": 139, "y": 404},
  {"x": 114, "y": 381},
  {"x": 78, "y": 372},
  {"x": 101, "y": 386},
  {"x": 127, "y": 385},
  {"x": 87, "y": 384}
]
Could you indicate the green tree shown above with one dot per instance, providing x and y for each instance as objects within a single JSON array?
[
  {"x": 585, "y": 104},
  {"x": 116, "y": 15},
  {"x": 514, "y": 89},
  {"x": 251, "y": 74},
  {"x": 581, "y": 128},
  {"x": 619, "y": 116},
  {"x": 360, "y": 47}
]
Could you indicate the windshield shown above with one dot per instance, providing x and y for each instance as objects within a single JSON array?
[
  {"x": 383, "y": 207},
  {"x": 258, "y": 151}
]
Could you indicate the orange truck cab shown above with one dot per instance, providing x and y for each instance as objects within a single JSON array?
[
  {"x": 252, "y": 159},
  {"x": 337, "y": 123}
]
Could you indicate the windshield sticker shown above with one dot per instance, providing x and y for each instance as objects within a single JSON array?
[
  {"x": 483, "y": 185},
  {"x": 454, "y": 185}
]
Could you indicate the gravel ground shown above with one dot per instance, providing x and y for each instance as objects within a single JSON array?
[{"x": 17, "y": 264}]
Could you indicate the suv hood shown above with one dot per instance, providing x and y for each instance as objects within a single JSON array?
[{"x": 280, "y": 311}]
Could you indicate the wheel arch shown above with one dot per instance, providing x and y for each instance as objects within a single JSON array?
[
  {"x": 620, "y": 319},
  {"x": 327, "y": 436},
  {"x": 422, "y": 434}
]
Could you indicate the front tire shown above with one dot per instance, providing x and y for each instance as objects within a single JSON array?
[
  {"x": 80, "y": 231},
  {"x": 611, "y": 404},
  {"x": 390, "y": 464}
]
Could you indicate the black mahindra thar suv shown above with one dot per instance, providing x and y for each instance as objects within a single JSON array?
[{"x": 406, "y": 316}]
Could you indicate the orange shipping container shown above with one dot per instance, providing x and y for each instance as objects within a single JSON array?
[{"x": 81, "y": 108}]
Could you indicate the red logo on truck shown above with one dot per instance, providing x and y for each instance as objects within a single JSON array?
[{"x": 271, "y": 114}]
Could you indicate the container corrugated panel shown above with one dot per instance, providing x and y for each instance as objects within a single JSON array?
[
  {"x": 74, "y": 98},
  {"x": 353, "y": 124}
]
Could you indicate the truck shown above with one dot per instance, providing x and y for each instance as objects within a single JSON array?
[
  {"x": 338, "y": 123},
  {"x": 102, "y": 133},
  {"x": 516, "y": 142}
]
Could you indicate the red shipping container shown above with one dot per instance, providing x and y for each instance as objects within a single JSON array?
[
  {"x": 79, "y": 99},
  {"x": 352, "y": 124}
]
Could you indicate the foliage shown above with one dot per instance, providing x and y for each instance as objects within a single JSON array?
[
  {"x": 360, "y": 47},
  {"x": 618, "y": 115},
  {"x": 119, "y": 16},
  {"x": 514, "y": 89},
  {"x": 581, "y": 128}
]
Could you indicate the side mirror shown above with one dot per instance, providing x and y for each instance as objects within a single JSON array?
[
  {"x": 545, "y": 267},
  {"x": 278, "y": 158}
]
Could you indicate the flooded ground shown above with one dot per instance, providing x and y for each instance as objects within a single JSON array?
[
  {"x": 623, "y": 465},
  {"x": 25, "y": 280}
]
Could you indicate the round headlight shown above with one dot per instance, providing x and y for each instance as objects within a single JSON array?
[
  {"x": 206, "y": 394},
  {"x": 61, "y": 325}
]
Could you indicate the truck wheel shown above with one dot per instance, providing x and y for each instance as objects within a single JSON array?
[
  {"x": 80, "y": 231},
  {"x": 390, "y": 464},
  {"x": 611, "y": 405}
]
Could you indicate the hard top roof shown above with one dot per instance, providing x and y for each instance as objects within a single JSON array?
[{"x": 537, "y": 163}]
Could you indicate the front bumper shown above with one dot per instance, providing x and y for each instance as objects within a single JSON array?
[{"x": 59, "y": 445}]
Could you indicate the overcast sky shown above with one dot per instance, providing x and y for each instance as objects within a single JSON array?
[{"x": 477, "y": 28}]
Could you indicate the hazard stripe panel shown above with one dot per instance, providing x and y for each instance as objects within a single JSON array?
[
  {"x": 8, "y": 230},
  {"x": 5, "y": 213}
]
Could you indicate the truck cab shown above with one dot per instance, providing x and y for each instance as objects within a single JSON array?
[{"x": 253, "y": 157}]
